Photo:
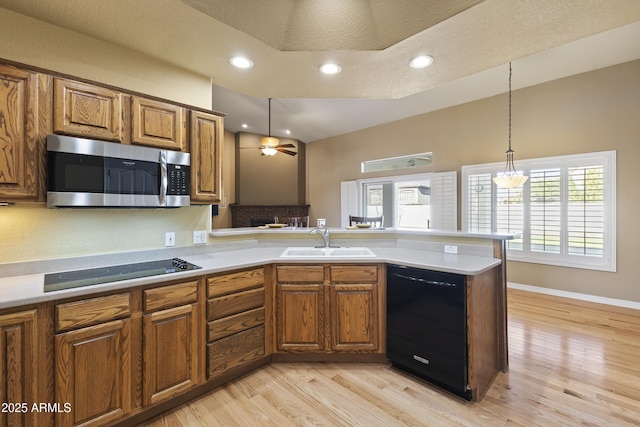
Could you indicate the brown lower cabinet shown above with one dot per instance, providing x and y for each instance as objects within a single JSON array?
[
  {"x": 118, "y": 358},
  {"x": 18, "y": 368},
  {"x": 328, "y": 308},
  {"x": 117, "y": 354},
  {"x": 93, "y": 363},
  {"x": 170, "y": 341},
  {"x": 236, "y": 334}
]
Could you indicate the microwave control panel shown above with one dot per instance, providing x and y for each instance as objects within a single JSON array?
[{"x": 179, "y": 180}]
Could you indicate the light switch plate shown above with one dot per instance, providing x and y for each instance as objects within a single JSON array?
[
  {"x": 199, "y": 237},
  {"x": 170, "y": 238}
]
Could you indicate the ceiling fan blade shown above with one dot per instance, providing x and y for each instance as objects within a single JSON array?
[
  {"x": 287, "y": 145},
  {"x": 289, "y": 152}
]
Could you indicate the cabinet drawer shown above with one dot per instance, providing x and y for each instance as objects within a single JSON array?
[
  {"x": 354, "y": 273},
  {"x": 300, "y": 273},
  {"x": 235, "y": 350},
  {"x": 88, "y": 312},
  {"x": 170, "y": 296},
  {"x": 235, "y": 282},
  {"x": 235, "y": 303},
  {"x": 237, "y": 323}
]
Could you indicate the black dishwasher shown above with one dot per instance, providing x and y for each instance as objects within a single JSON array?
[{"x": 427, "y": 326}]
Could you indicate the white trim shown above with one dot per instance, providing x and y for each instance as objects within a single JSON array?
[
  {"x": 607, "y": 262},
  {"x": 575, "y": 295}
]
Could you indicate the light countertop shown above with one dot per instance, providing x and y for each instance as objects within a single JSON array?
[{"x": 29, "y": 289}]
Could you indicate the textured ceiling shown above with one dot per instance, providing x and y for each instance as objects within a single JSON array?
[
  {"x": 491, "y": 33},
  {"x": 317, "y": 25},
  {"x": 373, "y": 40}
]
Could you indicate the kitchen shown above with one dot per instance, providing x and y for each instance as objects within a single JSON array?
[{"x": 550, "y": 122}]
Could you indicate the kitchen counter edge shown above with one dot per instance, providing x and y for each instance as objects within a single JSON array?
[{"x": 29, "y": 289}]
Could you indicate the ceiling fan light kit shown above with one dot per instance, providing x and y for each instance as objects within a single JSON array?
[
  {"x": 270, "y": 145},
  {"x": 510, "y": 177}
]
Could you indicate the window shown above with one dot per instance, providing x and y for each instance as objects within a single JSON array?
[
  {"x": 407, "y": 202},
  {"x": 565, "y": 212}
]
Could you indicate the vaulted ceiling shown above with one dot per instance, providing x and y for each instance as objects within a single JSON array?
[{"x": 372, "y": 40}]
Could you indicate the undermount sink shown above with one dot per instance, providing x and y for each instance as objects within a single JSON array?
[{"x": 296, "y": 252}]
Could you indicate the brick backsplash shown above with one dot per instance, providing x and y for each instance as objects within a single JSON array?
[{"x": 243, "y": 215}]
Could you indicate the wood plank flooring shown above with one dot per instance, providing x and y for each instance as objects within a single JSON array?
[{"x": 572, "y": 363}]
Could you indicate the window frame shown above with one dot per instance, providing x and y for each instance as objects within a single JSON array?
[
  {"x": 606, "y": 262},
  {"x": 445, "y": 179}
]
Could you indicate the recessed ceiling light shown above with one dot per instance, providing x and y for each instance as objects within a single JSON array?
[
  {"x": 241, "y": 62},
  {"x": 421, "y": 61},
  {"x": 244, "y": 125},
  {"x": 330, "y": 68},
  {"x": 287, "y": 131}
]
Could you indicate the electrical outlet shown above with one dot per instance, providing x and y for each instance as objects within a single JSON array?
[
  {"x": 170, "y": 238},
  {"x": 450, "y": 249},
  {"x": 199, "y": 237}
]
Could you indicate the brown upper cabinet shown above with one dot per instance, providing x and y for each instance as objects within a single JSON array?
[
  {"x": 158, "y": 124},
  {"x": 206, "y": 157},
  {"x": 87, "y": 111},
  {"x": 34, "y": 104},
  {"x": 21, "y": 139}
]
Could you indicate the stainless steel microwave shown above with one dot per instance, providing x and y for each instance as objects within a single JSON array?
[{"x": 89, "y": 173}]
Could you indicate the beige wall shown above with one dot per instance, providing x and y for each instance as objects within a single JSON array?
[
  {"x": 31, "y": 231},
  {"x": 594, "y": 111},
  {"x": 29, "y": 41},
  {"x": 267, "y": 180}
]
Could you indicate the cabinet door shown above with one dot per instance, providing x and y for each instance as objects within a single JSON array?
[
  {"x": 206, "y": 157},
  {"x": 170, "y": 351},
  {"x": 354, "y": 321},
  {"x": 93, "y": 373},
  {"x": 86, "y": 110},
  {"x": 158, "y": 124},
  {"x": 300, "y": 324},
  {"x": 18, "y": 367},
  {"x": 19, "y": 137}
]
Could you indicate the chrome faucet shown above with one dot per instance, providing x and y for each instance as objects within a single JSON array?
[{"x": 323, "y": 231}]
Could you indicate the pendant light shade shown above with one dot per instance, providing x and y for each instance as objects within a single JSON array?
[
  {"x": 269, "y": 143},
  {"x": 510, "y": 177}
]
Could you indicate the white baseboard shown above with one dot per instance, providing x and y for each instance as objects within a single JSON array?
[{"x": 576, "y": 295}]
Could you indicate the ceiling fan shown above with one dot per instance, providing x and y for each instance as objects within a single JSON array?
[{"x": 270, "y": 145}]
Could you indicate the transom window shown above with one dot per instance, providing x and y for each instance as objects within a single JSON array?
[{"x": 566, "y": 211}]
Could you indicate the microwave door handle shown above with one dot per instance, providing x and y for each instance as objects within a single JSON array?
[{"x": 164, "y": 180}]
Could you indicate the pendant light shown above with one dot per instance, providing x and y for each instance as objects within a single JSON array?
[
  {"x": 269, "y": 143},
  {"x": 510, "y": 178}
]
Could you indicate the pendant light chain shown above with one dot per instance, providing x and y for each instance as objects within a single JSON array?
[
  {"x": 510, "y": 106},
  {"x": 510, "y": 177}
]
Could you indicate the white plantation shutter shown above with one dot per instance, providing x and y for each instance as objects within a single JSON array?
[
  {"x": 586, "y": 210},
  {"x": 444, "y": 209},
  {"x": 479, "y": 203},
  {"x": 565, "y": 211},
  {"x": 545, "y": 210},
  {"x": 349, "y": 204},
  {"x": 510, "y": 214}
]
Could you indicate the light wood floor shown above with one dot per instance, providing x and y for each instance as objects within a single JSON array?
[{"x": 571, "y": 363}]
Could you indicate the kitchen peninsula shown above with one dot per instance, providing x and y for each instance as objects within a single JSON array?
[{"x": 200, "y": 328}]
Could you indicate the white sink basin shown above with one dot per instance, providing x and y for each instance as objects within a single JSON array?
[{"x": 306, "y": 252}]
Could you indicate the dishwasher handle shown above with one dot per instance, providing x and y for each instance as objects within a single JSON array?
[{"x": 425, "y": 281}]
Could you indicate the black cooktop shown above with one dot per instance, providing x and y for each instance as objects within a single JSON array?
[{"x": 115, "y": 273}]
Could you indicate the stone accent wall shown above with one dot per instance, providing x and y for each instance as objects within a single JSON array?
[{"x": 243, "y": 215}]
